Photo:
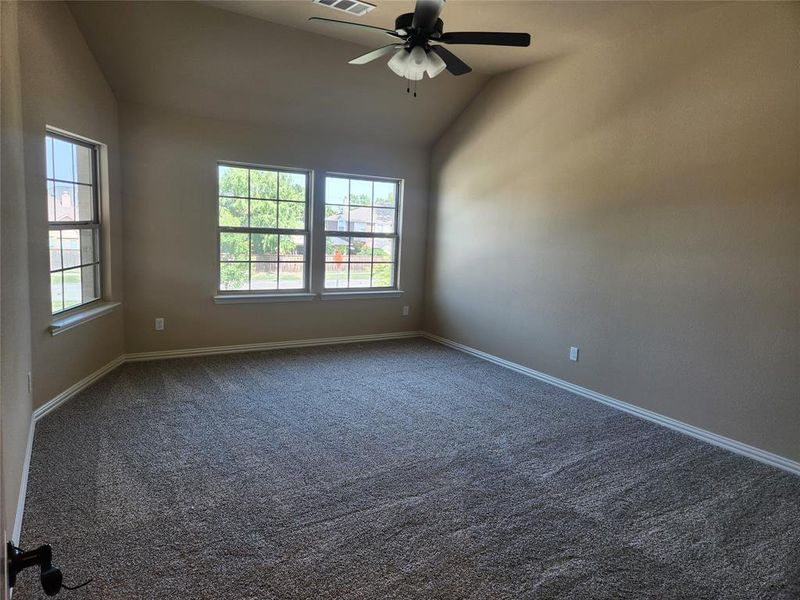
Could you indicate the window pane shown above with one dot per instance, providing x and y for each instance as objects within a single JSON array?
[
  {"x": 51, "y": 201},
  {"x": 234, "y": 246},
  {"x": 88, "y": 246},
  {"x": 382, "y": 275},
  {"x": 383, "y": 220},
  {"x": 83, "y": 165},
  {"x": 70, "y": 248},
  {"x": 88, "y": 283},
  {"x": 291, "y": 276},
  {"x": 385, "y": 193},
  {"x": 336, "y": 275},
  {"x": 360, "y": 275},
  {"x": 263, "y": 184},
  {"x": 383, "y": 250},
  {"x": 336, "y": 248},
  {"x": 73, "y": 290},
  {"x": 264, "y": 246},
  {"x": 56, "y": 291},
  {"x": 64, "y": 202},
  {"x": 85, "y": 203},
  {"x": 63, "y": 160},
  {"x": 336, "y": 218},
  {"x": 263, "y": 213},
  {"x": 291, "y": 215},
  {"x": 292, "y": 247},
  {"x": 233, "y": 276},
  {"x": 361, "y": 250},
  {"x": 264, "y": 276},
  {"x": 360, "y": 192},
  {"x": 48, "y": 145},
  {"x": 360, "y": 219},
  {"x": 232, "y": 212},
  {"x": 292, "y": 186},
  {"x": 55, "y": 250},
  {"x": 233, "y": 181},
  {"x": 336, "y": 190}
]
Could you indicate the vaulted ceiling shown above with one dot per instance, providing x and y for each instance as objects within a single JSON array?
[
  {"x": 263, "y": 62},
  {"x": 200, "y": 60},
  {"x": 557, "y": 27}
]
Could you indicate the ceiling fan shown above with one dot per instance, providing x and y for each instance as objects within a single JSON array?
[{"x": 418, "y": 48}]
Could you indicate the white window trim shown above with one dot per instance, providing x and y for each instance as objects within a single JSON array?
[
  {"x": 356, "y": 295},
  {"x": 258, "y": 298},
  {"x": 315, "y": 256},
  {"x": 96, "y": 310}
]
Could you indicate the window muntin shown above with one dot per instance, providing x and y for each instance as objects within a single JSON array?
[
  {"x": 263, "y": 228},
  {"x": 361, "y": 232},
  {"x": 73, "y": 219}
]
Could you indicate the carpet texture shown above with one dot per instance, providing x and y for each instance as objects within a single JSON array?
[{"x": 391, "y": 470}]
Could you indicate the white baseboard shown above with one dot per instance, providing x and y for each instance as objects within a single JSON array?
[
  {"x": 350, "y": 339},
  {"x": 763, "y": 456},
  {"x": 78, "y": 387},
  {"x": 23, "y": 485}
]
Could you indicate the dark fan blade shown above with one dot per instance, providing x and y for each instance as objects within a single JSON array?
[
  {"x": 359, "y": 25},
  {"x": 486, "y": 38},
  {"x": 454, "y": 64},
  {"x": 425, "y": 14},
  {"x": 370, "y": 56}
]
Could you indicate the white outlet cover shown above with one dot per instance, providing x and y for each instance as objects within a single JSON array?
[
  {"x": 160, "y": 324},
  {"x": 573, "y": 353}
]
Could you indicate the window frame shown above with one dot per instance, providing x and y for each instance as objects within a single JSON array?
[
  {"x": 307, "y": 232},
  {"x": 396, "y": 236},
  {"x": 96, "y": 224}
]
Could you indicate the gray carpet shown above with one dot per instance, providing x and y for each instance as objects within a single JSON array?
[{"x": 391, "y": 470}]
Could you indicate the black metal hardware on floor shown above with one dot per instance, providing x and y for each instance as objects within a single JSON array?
[{"x": 51, "y": 577}]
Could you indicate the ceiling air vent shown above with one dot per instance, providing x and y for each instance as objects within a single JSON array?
[{"x": 354, "y": 7}]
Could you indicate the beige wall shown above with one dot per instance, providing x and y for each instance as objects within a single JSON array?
[
  {"x": 15, "y": 342},
  {"x": 63, "y": 87},
  {"x": 170, "y": 231},
  {"x": 639, "y": 200}
]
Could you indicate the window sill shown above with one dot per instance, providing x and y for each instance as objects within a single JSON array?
[
  {"x": 352, "y": 295},
  {"x": 62, "y": 324},
  {"x": 256, "y": 298}
]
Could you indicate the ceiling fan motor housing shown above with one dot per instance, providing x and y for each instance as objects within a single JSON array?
[{"x": 404, "y": 22}]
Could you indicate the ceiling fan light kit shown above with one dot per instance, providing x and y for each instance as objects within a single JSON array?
[
  {"x": 413, "y": 64},
  {"x": 414, "y": 52}
]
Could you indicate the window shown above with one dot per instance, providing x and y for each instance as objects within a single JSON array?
[
  {"x": 361, "y": 232},
  {"x": 73, "y": 218},
  {"x": 263, "y": 228}
]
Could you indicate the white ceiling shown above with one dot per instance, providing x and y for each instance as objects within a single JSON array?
[{"x": 557, "y": 27}]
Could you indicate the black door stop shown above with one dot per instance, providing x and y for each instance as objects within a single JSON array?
[{"x": 51, "y": 578}]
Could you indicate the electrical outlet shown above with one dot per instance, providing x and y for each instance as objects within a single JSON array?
[
  {"x": 405, "y": 311},
  {"x": 573, "y": 353},
  {"x": 30, "y": 383},
  {"x": 160, "y": 324}
]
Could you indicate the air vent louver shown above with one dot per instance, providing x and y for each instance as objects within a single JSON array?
[{"x": 353, "y": 7}]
